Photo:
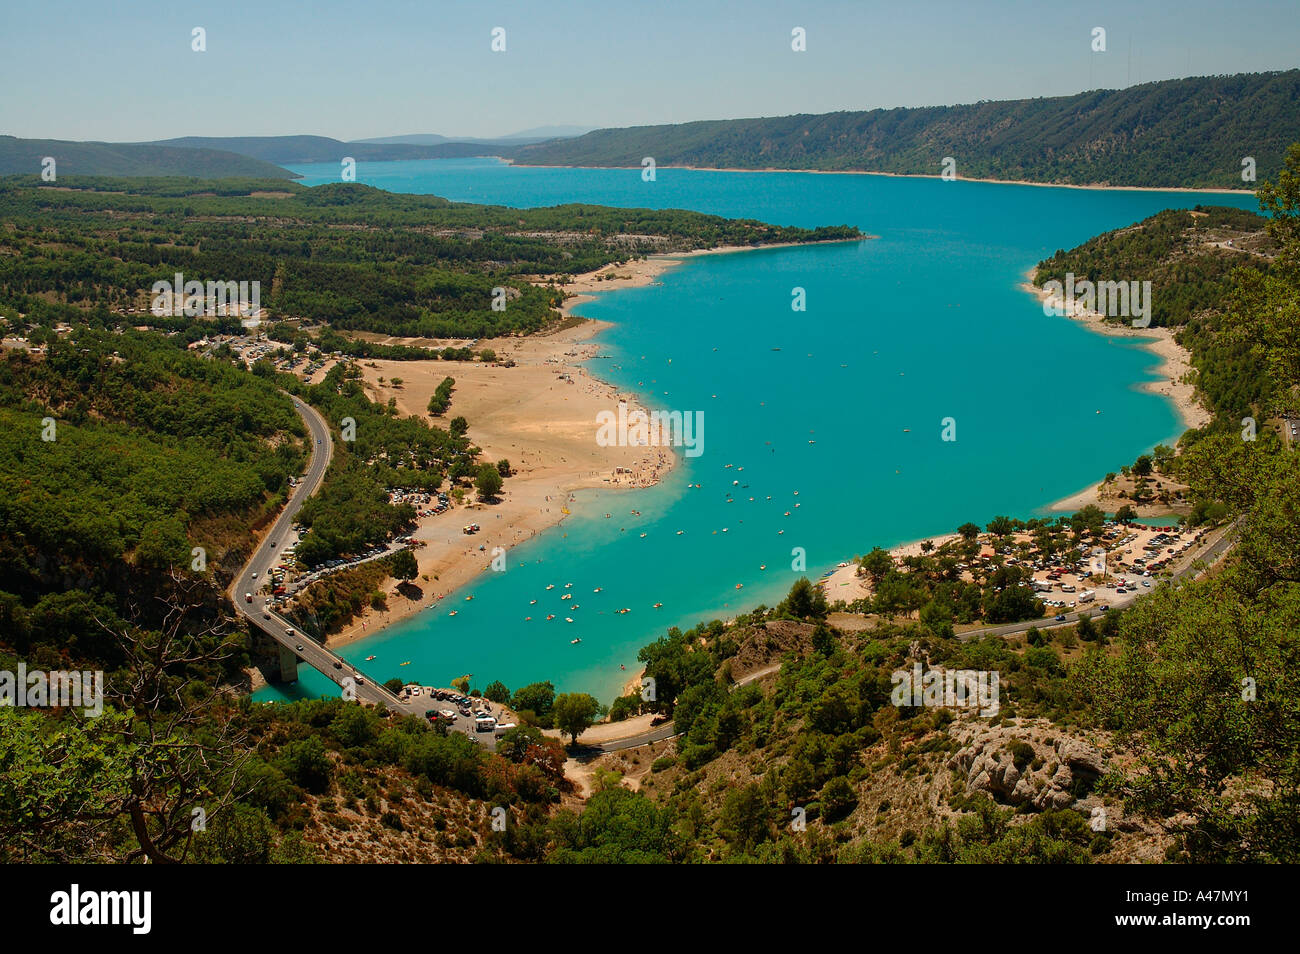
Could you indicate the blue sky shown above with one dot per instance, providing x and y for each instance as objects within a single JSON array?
[{"x": 124, "y": 71}]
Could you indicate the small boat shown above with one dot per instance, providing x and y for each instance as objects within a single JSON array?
[
  {"x": 643, "y": 535},
  {"x": 597, "y": 589},
  {"x": 575, "y": 606},
  {"x": 452, "y": 613},
  {"x": 551, "y": 616},
  {"x": 468, "y": 598},
  {"x": 680, "y": 532},
  {"x": 369, "y": 658},
  {"x": 568, "y": 619},
  {"x": 567, "y": 596},
  {"x": 762, "y": 566},
  {"x": 407, "y": 663},
  {"x": 574, "y": 642},
  {"x": 658, "y": 605},
  {"x": 740, "y": 586},
  {"x": 532, "y": 602},
  {"x": 568, "y": 585},
  {"x": 528, "y": 619},
  {"x": 550, "y": 586}
]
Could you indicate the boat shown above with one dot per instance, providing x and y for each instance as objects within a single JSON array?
[
  {"x": 528, "y": 619},
  {"x": 452, "y": 613},
  {"x": 567, "y": 596},
  {"x": 568, "y": 619},
  {"x": 658, "y": 605},
  {"x": 574, "y": 642},
  {"x": 568, "y": 585},
  {"x": 597, "y": 589},
  {"x": 468, "y": 598},
  {"x": 762, "y": 566},
  {"x": 740, "y": 586},
  {"x": 551, "y": 616},
  {"x": 532, "y": 602},
  {"x": 369, "y": 658},
  {"x": 550, "y": 586},
  {"x": 407, "y": 663}
]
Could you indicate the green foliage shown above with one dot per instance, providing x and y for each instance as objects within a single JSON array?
[{"x": 1168, "y": 133}]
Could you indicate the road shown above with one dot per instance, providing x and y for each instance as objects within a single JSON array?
[
  {"x": 1209, "y": 556},
  {"x": 265, "y": 556}
]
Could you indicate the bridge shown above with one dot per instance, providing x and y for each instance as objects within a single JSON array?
[{"x": 293, "y": 645}]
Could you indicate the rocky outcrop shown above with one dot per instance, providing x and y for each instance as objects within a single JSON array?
[{"x": 1022, "y": 765}]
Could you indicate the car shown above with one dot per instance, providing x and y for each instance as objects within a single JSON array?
[
  {"x": 254, "y": 576},
  {"x": 447, "y": 714},
  {"x": 1060, "y": 617},
  {"x": 290, "y": 632},
  {"x": 298, "y": 647},
  {"x": 1146, "y": 582},
  {"x": 266, "y": 616},
  {"x": 272, "y": 543},
  {"x": 1105, "y": 609},
  {"x": 360, "y": 681},
  {"x": 1121, "y": 590},
  {"x": 318, "y": 440}
]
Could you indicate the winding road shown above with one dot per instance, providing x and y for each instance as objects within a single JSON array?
[{"x": 265, "y": 556}]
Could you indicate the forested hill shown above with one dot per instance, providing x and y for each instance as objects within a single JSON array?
[
  {"x": 1192, "y": 257},
  {"x": 347, "y": 254},
  {"x": 25, "y": 157},
  {"x": 1190, "y": 133}
]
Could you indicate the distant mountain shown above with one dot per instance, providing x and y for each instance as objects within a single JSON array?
[
  {"x": 294, "y": 149},
  {"x": 539, "y": 134},
  {"x": 19, "y": 156},
  {"x": 551, "y": 132},
  {"x": 1173, "y": 133}
]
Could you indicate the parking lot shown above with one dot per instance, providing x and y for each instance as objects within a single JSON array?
[{"x": 478, "y": 718}]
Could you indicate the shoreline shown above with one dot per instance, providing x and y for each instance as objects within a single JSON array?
[
  {"x": 900, "y": 175},
  {"x": 639, "y": 273},
  {"x": 541, "y": 416},
  {"x": 1175, "y": 364}
]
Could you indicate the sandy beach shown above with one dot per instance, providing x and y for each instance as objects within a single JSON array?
[
  {"x": 1175, "y": 370},
  {"x": 906, "y": 175},
  {"x": 541, "y": 416}
]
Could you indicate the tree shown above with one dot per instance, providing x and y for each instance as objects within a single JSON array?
[
  {"x": 488, "y": 482},
  {"x": 459, "y": 426},
  {"x": 1001, "y": 526},
  {"x": 403, "y": 565},
  {"x": 1125, "y": 514},
  {"x": 497, "y": 692},
  {"x": 804, "y": 601},
  {"x": 1142, "y": 466},
  {"x": 503, "y": 467},
  {"x": 536, "y": 697},
  {"x": 877, "y": 563},
  {"x": 574, "y": 713},
  {"x": 968, "y": 531}
]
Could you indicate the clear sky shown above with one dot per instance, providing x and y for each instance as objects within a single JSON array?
[{"x": 124, "y": 70}]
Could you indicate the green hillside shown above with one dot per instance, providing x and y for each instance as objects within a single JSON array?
[
  {"x": 1173, "y": 133},
  {"x": 25, "y": 157}
]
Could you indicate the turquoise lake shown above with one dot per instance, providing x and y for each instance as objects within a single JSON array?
[{"x": 901, "y": 331}]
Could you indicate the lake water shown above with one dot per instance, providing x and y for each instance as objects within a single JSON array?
[{"x": 842, "y": 404}]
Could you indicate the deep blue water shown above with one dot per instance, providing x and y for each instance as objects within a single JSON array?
[{"x": 922, "y": 323}]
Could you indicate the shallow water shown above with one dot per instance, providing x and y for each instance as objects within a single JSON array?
[{"x": 843, "y": 403}]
